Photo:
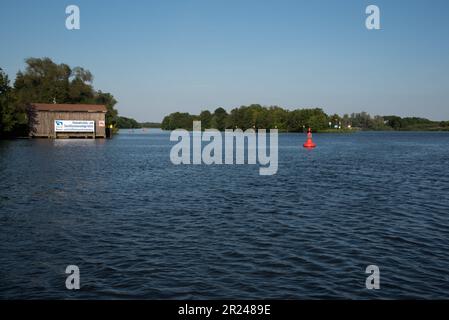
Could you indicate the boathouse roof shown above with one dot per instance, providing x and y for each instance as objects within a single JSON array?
[{"x": 69, "y": 107}]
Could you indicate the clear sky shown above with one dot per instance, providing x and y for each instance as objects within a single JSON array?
[{"x": 157, "y": 57}]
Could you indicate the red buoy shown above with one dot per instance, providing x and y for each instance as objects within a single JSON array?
[{"x": 309, "y": 143}]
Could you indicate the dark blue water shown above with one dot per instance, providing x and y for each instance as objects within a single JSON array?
[{"x": 139, "y": 227}]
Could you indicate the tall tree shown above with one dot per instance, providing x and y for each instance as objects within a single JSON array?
[
  {"x": 205, "y": 118},
  {"x": 43, "y": 81},
  {"x": 219, "y": 119},
  {"x": 6, "y": 112},
  {"x": 109, "y": 101},
  {"x": 13, "y": 120}
]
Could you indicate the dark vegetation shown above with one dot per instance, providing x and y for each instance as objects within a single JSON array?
[
  {"x": 150, "y": 124},
  {"x": 128, "y": 123},
  {"x": 260, "y": 117}
]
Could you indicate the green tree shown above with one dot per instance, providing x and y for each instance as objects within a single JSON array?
[
  {"x": 378, "y": 123},
  {"x": 361, "y": 120},
  {"x": 7, "y": 120},
  {"x": 318, "y": 120},
  {"x": 219, "y": 119},
  {"x": 394, "y": 122},
  {"x": 278, "y": 118},
  {"x": 300, "y": 119},
  {"x": 206, "y": 119},
  {"x": 43, "y": 81},
  {"x": 127, "y": 123},
  {"x": 109, "y": 101},
  {"x": 178, "y": 120},
  {"x": 13, "y": 119},
  {"x": 80, "y": 86}
]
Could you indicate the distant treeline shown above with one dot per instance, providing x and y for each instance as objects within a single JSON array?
[
  {"x": 150, "y": 124},
  {"x": 129, "y": 123},
  {"x": 260, "y": 117},
  {"x": 44, "y": 81}
]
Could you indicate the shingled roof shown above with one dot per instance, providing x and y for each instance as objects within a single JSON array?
[{"x": 69, "y": 107}]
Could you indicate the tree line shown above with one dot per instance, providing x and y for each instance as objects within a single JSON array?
[
  {"x": 44, "y": 81},
  {"x": 275, "y": 117},
  {"x": 129, "y": 123}
]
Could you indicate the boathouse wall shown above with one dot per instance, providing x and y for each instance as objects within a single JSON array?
[{"x": 44, "y": 116}]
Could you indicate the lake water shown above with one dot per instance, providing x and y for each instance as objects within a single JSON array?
[{"x": 138, "y": 226}]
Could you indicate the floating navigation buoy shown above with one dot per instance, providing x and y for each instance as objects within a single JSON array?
[{"x": 309, "y": 143}]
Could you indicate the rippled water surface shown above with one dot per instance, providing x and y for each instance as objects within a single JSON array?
[{"x": 139, "y": 227}]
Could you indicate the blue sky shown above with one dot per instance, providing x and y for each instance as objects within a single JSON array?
[{"x": 158, "y": 57}]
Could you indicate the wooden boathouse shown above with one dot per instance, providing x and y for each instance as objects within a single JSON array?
[{"x": 68, "y": 120}]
